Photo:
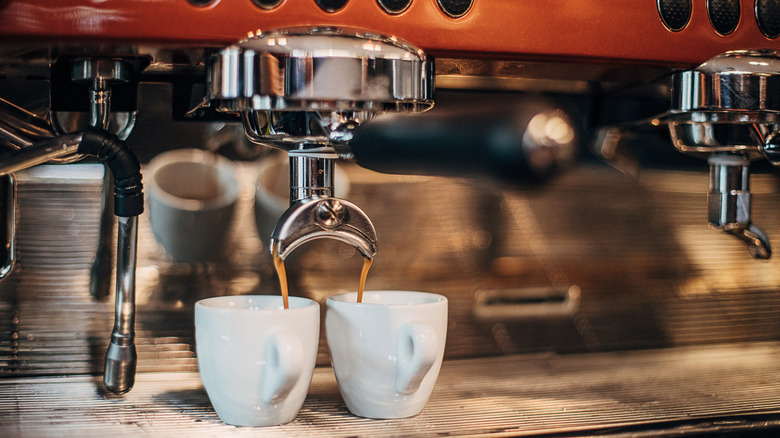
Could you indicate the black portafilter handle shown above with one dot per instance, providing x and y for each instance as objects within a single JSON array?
[{"x": 517, "y": 145}]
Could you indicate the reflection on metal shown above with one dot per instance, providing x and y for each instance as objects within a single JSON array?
[
  {"x": 704, "y": 391},
  {"x": 100, "y": 275},
  {"x": 727, "y": 109},
  {"x": 100, "y": 74},
  {"x": 304, "y": 90},
  {"x": 121, "y": 123},
  {"x": 315, "y": 214},
  {"x": 7, "y": 225},
  {"x": 466, "y": 82},
  {"x": 20, "y": 128},
  {"x": 729, "y": 202},
  {"x": 320, "y": 69},
  {"x": 632, "y": 249},
  {"x": 324, "y": 217},
  {"x": 121, "y": 358},
  {"x": 529, "y": 303},
  {"x": 39, "y": 153}
]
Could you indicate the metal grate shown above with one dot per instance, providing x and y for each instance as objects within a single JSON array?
[
  {"x": 394, "y": 6},
  {"x": 675, "y": 14},
  {"x": 331, "y": 5},
  {"x": 673, "y": 391},
  {"x": 455, "y": 8},
  {"x": 724, "y": 15},
  {"x": 768, "y": 17}
]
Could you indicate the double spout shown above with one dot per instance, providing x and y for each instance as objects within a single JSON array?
[
  {"x": 314, "y": 213},
  {"x": 120, "y": 362}
]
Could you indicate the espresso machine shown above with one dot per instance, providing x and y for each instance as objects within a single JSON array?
[{"x": 581, "y": 180}]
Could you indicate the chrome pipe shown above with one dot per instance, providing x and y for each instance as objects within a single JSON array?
[
  {"x": 729, "y": 194},
  {"x": 120, "y": 364},
  {"x": 121, "y": 357},
  {"x": 100, "y": 117},
  {"x": 315, "y": 214},
  {"x": 11, "y": 137},
  {"x": 8, "y": 230},
  {"x": 39, "y": 153},
  {"x": 730, "y": 202},
  {"x": 100, "y": 104},
  {"x": 20, "y": 128},
  {"x": 310, "y": 176},
  {"x": 100, "y": 274}
]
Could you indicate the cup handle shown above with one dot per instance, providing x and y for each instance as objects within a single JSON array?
[
  {"x": 417, "y": 350},
  {"x": 284, "y": 364}
]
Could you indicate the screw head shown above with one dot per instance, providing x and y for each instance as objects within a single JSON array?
[{"x": 330, "y": 213}]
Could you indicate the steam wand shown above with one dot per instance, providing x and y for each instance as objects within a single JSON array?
[
  {"x": 101, "y": 74},
  {"x": 120, "y": 364}
]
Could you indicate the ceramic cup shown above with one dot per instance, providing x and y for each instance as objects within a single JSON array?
[
  {"x": 256, "y": 358},
  {"x": 386, "y": 351},
  {"x": 272, "y": 192},
  {"x": 191, "y": 195}
]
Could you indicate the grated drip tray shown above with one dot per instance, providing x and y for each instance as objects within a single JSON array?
[{"x": 680, "y": 392}]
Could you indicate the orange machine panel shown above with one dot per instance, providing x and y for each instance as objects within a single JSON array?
[{"x": 615, "y": 31}]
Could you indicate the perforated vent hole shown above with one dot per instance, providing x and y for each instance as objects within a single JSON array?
[
  {"x": 331, "y": 5},
  {"x": 724, "y": 15},
  {"x": 267, "y": 4},
  {"x": 394, "y": 6},
  {"x": 768, "y": 17},
  {"x": 455, "y": 8},
  {"x": 675, "y": 14}
]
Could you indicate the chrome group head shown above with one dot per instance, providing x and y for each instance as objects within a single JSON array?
[{"x": 304, "y": 91}]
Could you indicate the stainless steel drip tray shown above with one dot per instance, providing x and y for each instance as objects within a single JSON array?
[{"x": 672, "y": 391}]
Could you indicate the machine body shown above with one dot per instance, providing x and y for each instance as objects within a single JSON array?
[{"x": 475, "y": 134}]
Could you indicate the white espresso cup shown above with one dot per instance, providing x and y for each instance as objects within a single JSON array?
[
  {"x": 192, "y": 195},
  {"x": 256, "y": 358},
  {"x": 386, "y": 351}
]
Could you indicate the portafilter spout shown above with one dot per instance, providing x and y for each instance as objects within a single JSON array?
[
  {"x": 314, "y": 213},
  {"x": 729, "y": 202},
  {"x": 727, "y": 110},
  {"x": 305, "y": 90}
]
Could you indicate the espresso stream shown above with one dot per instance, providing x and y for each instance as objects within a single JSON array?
[
  {"x": 282, "y": 273},
  {"x": 363, "y": 275}
]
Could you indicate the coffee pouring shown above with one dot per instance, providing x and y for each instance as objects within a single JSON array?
[{"x": 538, "y": 246}]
